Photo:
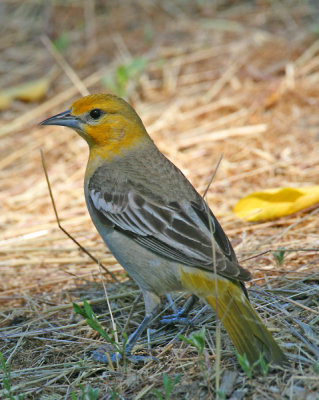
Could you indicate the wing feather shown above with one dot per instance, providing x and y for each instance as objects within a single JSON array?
[{"x": 180, "y": 231}]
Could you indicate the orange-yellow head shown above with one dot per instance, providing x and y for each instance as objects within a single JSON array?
[{"x": 108, "y": 123}]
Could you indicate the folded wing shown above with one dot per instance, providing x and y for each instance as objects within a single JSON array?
[{"x": 184, "y": 231}]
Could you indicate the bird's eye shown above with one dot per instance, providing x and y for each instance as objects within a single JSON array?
[{"x": 95, "y": 113}]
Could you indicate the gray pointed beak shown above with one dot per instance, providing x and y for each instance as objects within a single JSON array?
[{"x": 64, "y": 119}]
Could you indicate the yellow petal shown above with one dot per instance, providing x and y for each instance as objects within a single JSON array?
[{"x": 276, "y": 203}]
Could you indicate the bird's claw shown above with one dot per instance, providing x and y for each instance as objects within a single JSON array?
[
  {"x": 176, "y": 319},
  {"x": 114, "y": 357},
  {"x": 138, "y": 359}
]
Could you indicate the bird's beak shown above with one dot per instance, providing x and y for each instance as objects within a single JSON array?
[{"x": 64, "y": 119}]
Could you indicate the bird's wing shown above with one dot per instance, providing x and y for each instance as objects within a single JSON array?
[{"x": 181, "y": 231}]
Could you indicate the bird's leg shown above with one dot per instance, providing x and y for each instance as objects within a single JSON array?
[
  {"x": 180, "y": 317},
  {"x": 171, "y": 303},
  {"x": 152, "y": 302},
  {"x": 137, "y": 334}
]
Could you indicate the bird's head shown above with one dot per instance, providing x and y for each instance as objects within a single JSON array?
[{"x": 104, "y": 121}]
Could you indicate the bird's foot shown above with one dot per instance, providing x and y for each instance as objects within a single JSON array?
[
  {"x": 180, "y": 317},
  {"x": 176, "y": 319},
  {"x": 105, "y": 358},
  {"x": 109, "y": 357},
  {"x": 138, "y": 359}
]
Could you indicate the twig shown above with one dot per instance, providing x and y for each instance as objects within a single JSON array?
[
  {"x": 61, "y": 227},
  {"x": 213, "y": 175},
  {"x": 218, "y": 326},
  {"x": 65, "y": 66}
]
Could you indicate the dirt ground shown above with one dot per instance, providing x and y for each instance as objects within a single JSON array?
[{"x": 237, "y": 79}]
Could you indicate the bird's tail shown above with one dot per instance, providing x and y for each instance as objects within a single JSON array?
[{"x": 245, "y": 328}]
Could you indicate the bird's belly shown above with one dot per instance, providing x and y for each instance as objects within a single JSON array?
[{"x": 149, "y": 270}]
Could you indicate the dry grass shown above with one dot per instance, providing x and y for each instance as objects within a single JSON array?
[{"x": 235, "y": 79}]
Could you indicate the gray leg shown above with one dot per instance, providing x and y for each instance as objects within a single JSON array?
[{"x": 152, "y": 302}]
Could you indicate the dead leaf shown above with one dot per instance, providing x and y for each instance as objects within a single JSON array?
[
  {"x": 32, "y": 91},
  {"x": 276, "y": 203},
  {"x": 5, "y": 101}
]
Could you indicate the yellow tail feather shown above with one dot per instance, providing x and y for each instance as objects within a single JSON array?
[{"x": 245, "y": 328}]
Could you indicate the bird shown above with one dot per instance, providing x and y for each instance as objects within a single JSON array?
[{"x": 158, "y": 227}]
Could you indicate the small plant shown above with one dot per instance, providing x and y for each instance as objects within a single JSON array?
[
  {"x": 316, "y": 367},
  {"x": 245, "y": 364},
  {"x": 249, "y": 368},
  {"x": 264, "y": 366},
  {"x": 197, "y": 339},
  {"x": 87, "y": 393},
  {"x": 114, "y": 394},
  {"x": 279, "y": 255},
  {"x": 125, "y": 75},
  {"x": 6, "y": 381},
  {"x": 61, "y": 43},
  {"x": 91, "y": 319},
  {"x": 169, "y": 384},
  {"x": 221, "y": 395}
]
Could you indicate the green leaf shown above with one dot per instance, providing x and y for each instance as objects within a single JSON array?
[
  {"x": 264, "y": 366},
  {"x": 158, "y": 394},
  {"x": 62, "y": 42},
  {"x": 279, "y": 255},
  {"x": 3, "y": 363},
  {"x": 125, "y": 73},
  {"x": 91, "y": 319},
  {"x": 197, "y": 339},
  {"x": 79, "y": 310},
  {"x": 89, "y": 312},
  {"x": 245, "y": 364},
  {"x": 316, "y": 367}
]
